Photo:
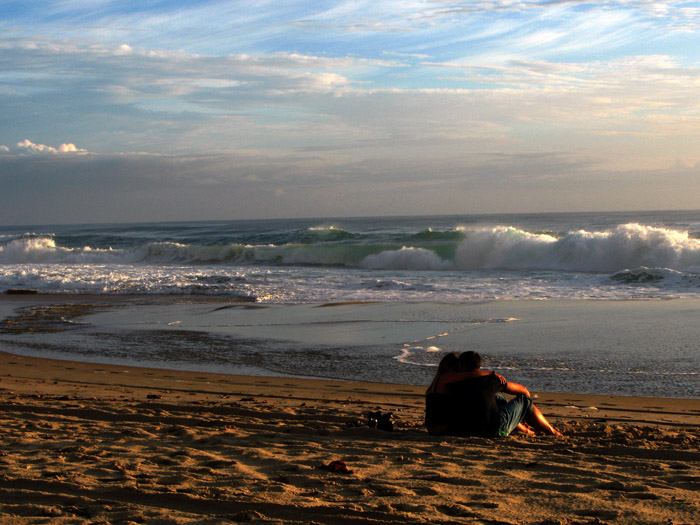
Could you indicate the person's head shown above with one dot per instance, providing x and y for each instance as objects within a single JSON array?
[
  {"x": 469, "y": 361},
  {"x": 449, "y": 363}
]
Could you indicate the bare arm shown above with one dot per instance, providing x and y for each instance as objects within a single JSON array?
[{"x": 515, "y": 388}]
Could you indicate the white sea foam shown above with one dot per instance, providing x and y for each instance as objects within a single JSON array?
[
  {"x": 45, "y": 250},
  {"x": 626, "y": 247},
  {"x": 629, "y": 246},
  {"x": 406, "y": 259},
  {"x": 467, "y": 263}
]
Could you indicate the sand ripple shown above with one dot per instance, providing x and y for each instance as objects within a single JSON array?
[{"x": 208, "y": 450}]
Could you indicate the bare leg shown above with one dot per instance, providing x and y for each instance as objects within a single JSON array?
[
  {"x": 537, "y": 420},
  {"x": 525, "y": 429}
]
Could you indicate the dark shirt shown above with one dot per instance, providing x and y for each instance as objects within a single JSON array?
[
  {"x": 468, "y": 408},
  {"x": 439, "y": 413}
]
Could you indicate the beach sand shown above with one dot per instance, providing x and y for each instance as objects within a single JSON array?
[{"x": 92, "y": 443}]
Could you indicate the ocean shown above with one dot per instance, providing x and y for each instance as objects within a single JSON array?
[
  {"x": 581, "y": 302},
  {"x": 444, "y": 258}
]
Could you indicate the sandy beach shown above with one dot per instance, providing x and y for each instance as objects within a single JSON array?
[
  {"x": 238, "y": 241},
  {"x": 91, "y": 443}
]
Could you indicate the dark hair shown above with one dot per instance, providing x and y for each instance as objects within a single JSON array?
[
  {"x": 448, "y": 363},
  {"x": 470, "y": 360}
]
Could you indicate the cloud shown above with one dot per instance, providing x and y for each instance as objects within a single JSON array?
[
  {"x": 27, "y": 147},
  {"x": 177, "y": 102},
  {"x": 112, "y": 188},
  {"x": 123, "y": 49},
  {"x": 377, "y": 94}
]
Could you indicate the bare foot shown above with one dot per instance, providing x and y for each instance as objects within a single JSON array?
[{"x": 525, "y": 429}]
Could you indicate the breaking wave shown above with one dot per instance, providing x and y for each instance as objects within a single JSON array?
[{"x": 626, "y": 247}]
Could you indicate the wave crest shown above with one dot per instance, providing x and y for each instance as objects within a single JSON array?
[
  {"x": 406, "y": 259},
  {"x": 625, "y": 247},
  {"x": 324, "y": 234},
  {"x": 44, "y": 250},
  {"x": 430, "y": 235}
]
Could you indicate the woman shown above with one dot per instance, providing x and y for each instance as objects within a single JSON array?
[{"x": 439, "y": 410}]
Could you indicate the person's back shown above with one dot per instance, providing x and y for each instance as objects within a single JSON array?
[
  {"x": 439, "y": 413},
  {"x": 475, "y": 407},
  {"x": 439, "y": 407}
]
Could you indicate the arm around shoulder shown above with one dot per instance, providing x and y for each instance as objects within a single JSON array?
[{"x": 515, "y": 388}]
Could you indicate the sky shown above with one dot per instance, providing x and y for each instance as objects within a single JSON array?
[{"x": 123, "y": 111}]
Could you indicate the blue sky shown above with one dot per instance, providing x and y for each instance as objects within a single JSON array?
[{"x": 121, "y": 111}]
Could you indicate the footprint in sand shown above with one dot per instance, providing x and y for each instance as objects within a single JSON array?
[
  {"x": 483, "y": 504},
  {"x": 602, "y": 514},
  {"x": 220, "y": 463},
  {"x": 642, "y": 495},
  {"x": 406, "y": 507}
]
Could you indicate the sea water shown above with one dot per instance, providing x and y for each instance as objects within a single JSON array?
[
  {"x": 563, "y": 302},
  {"x": 447, "y": 258}
]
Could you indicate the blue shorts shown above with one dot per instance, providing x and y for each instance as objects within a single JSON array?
[{"x": 511, "y": 413}]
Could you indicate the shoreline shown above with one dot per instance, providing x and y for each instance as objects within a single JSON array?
[
  {"x": 93, "y": 443},
  {"x": 55, "y": 375},
  {"x": 632, "y": 348}
]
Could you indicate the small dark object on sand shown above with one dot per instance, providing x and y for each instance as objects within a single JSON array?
[
  {"x": 380, "y": 421},
  {"x": 337, "y": 466}
]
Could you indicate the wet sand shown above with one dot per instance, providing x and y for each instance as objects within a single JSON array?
[
  {"x": 645, "y": 348},
  {"x": 93, "y": 443}
]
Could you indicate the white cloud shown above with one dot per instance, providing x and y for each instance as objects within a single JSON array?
[
  {"x": 123, "y": 49},
  {"x": 504, "y": 76},
  {"x": 290, "y": 101},
  {"x": 70, "y": 148},
  {"x": 27, "y": 147}
]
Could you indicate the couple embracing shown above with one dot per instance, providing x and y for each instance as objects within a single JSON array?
[{"x": 464, "y": 400}]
